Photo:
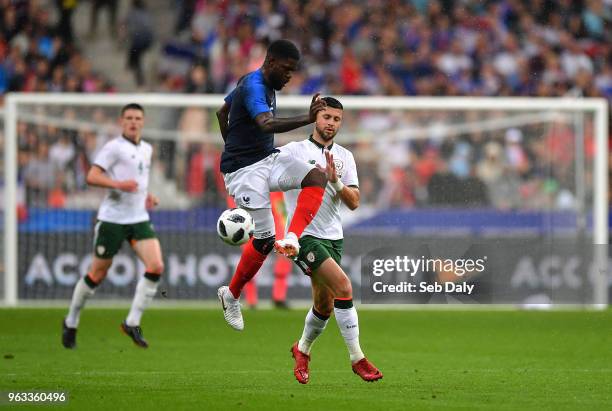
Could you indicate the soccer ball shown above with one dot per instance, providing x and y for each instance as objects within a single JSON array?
[{"x": 235, "y": 226}]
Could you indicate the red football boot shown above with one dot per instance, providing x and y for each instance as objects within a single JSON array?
[
  {"x": 301, "y": 364},
  {"x": 366, "y": 370}
]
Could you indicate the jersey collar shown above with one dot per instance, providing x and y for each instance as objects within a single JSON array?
[
  {"x": 321, "y": 146},
  {"x": 130, "y": 141}
]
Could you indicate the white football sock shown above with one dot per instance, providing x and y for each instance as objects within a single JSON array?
[
  {"x": 313, "y": 327},
  {"x": 79, "y": 296},
  {"x": 349, "y": 328},
  {"x": 145, "y": 291}
]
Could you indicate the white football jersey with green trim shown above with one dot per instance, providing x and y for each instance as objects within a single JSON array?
[
  {"x": 327, "y": 223},
  {"x": 121, "y": 159}
]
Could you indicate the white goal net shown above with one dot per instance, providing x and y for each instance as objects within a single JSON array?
[{"x": 523, "y": 181}]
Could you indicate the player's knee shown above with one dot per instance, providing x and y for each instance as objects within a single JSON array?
[
  {"x": 264, "y": 245},
  {"x": 97, "y": 276},
  {"x": 315, "y": 178},
  {"x": 157, "y": 267},
  {"x": 344, "y": 289}
]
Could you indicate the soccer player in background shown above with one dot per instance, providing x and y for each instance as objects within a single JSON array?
[
  {"x": 122, "y": 166},
  {"x": 252, "y": 167},
  {"x": 321, "y": 244}
]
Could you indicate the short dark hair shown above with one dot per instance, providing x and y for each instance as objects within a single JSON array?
[
  {"x": 131, "y": 106},
  {"x": 333, "y": 103},
  {"x": 283, "y": 49}
]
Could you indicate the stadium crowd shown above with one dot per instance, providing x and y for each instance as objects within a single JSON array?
[
  {"x": 439, "y": 48},
  {"x": 38, "y": 54}
]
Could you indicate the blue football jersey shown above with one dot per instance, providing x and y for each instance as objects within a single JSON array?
[{"x": 246, "y": 143}]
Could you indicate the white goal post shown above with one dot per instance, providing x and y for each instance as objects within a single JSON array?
[{"x": 597, "y": 107}]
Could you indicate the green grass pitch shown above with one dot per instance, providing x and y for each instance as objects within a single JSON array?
[{"x": 431, "y": 360}]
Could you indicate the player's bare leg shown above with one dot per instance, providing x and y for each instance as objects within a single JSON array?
[
  {"x": 149, "y": 251},
  {"x": 330, "y": 274},
  {"x": 308, "y": 203},
  {"x": 84, "y": 288}
]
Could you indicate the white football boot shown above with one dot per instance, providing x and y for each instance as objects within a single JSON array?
[{"x": 231, "y": 308}]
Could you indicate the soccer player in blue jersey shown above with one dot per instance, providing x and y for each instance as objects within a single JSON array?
[{"x": 252, "y": 167}]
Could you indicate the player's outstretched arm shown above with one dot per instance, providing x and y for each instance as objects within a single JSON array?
[
  {"x": 223, "y": 118},
  {"x": 348, "y": 195},
  {"x": 270, "y": 124},
  {"x": 97, "y": 177}
]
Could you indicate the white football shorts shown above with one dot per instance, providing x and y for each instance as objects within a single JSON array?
[{"x": 251, "y": 186}]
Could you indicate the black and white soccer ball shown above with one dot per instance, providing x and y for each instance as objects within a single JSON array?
[{"x": 235, "y": 226}]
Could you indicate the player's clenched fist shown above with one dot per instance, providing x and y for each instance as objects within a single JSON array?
[{"x": 151, "y": 201}]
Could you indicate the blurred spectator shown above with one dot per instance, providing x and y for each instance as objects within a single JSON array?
[
  {"x": 62, "y": 152},
  {"x": 515, "y": 153},
  {"x": 39, "y": 176},
  {"x": 504, "y": 193},
  {"x": 139, "y": 26},
  {"x": 442, "y": 187},
  {"x": 475, "y": 191},
  {"x": 573, "y": 58},
  {"x": 198, "y": 81},
  {"x": 185, "y": 14},
  {"x": 111, "y": 8},
  {"x": 594, "y": 17},
  {"x": 502, "y": 183},
  {"x": 491, "y": 168},
  {"x": 203, "y": 181},
  {"x": 64, "y": 26},
  {"x": 192, "y": 126},
  {"x": 397, "y": 190},
  {"x": 454, "y": 60}
]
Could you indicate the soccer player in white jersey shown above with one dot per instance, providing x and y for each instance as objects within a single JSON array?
[
  {"x": 321, "y": 244},
  {"x": 122, "y": 166}
]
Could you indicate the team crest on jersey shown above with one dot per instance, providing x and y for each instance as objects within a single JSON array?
[
  {"x": 339, "y": 166},
  {"x": 100, "y": 249},
  {"x": 312, "y": 162}
]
